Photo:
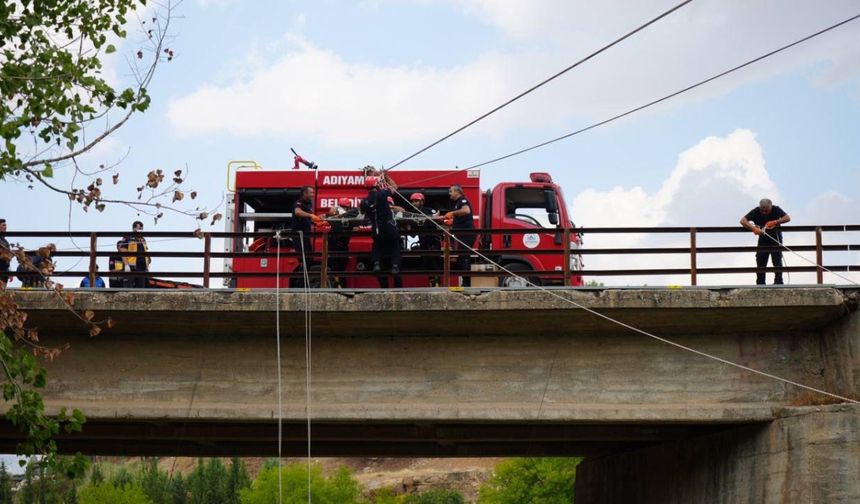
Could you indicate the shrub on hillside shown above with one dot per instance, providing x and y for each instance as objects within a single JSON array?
[
  {"x": 435, "y": 496},
  {"x": 105, "y": 493},
  {"x": 533, "y": 480},
  {"x": 339, "y": 488}
]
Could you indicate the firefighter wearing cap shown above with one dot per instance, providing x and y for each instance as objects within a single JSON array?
[
  {"x": 427, "y": 242},
  {"x": 338, "y": 240},
  {"x": 386, "y": 236},
  {"x": 462, "y": 227}
]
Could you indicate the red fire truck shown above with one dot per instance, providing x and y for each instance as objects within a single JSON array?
[{"x": 261, "y": 201}]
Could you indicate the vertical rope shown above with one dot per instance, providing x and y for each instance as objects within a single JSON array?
[
  {"x": 308, "y": 340},
  {"x": 280, "y": 388}
]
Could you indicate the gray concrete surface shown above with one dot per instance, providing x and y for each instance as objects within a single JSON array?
[
  {"x": 439, "y": 372},
  {"x": 807, "y": 454}
]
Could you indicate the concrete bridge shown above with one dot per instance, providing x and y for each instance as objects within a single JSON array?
[{"x": 471, "y": 373}]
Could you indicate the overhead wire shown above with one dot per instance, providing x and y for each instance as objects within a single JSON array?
[
  {"x": 544, "y": 82},
  {"x": 650, "y": 103},
  {"x": 628, "y": 326},
  {"x": 810, "y": 261}
]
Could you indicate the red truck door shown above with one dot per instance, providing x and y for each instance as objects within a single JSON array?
[{"x": 537, "y": 211}]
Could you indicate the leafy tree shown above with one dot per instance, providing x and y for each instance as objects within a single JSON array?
[
  {"x": 122, "y": 478},
  {"x": 435, "y": 496},
  {"x": 52, "y": 90},
  {"x": 155, "y": 482},
  {"x": 105, "y": 493},
  {"x": 96, "y": 476},
  {"x": 178, "y": 490},
  {"x": 42, "y": 485},
  {"x": 339, "y": 488},
  {"x": 51, "y": 77},
  {"x": 238, "y": 480},
  {"x": 208, "y": 482},
  {"x": 5, "y": 485},
  {"x": 534, "y": 480},
  {"x": 27, "y": 494}
]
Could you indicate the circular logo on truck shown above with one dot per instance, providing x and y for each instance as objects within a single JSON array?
[{"x": 531, "y": 240}]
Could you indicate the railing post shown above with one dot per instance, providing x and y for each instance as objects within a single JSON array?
[
  {"x": 692, "y": 256},
  {"x": 819, "y": 256},
  {"x": 446, "y": 263},
  {"x": 207, "y": 256},
  {"x": 566, "y": 259},
  {"x": 92, "y": 270},
  {"x": 324, "y": 265}
]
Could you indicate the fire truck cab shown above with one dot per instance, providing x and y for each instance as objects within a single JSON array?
[{"x": 261, "y": 201}]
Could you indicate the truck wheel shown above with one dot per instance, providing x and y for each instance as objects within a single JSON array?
[
  {"x": 314, "y": 273},
  {"x": 517, "y": 282},
  {"x": 315, "y": 278}
]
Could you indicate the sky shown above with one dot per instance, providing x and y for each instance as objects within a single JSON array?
[{"x": 369, "y": 82}]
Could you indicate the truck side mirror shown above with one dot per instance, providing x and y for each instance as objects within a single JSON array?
[
  {"x": 550, "y": 202},
  {"x": 553, "y": 218}
]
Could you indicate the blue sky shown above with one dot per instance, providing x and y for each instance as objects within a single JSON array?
[{"x": 355, "y": 83}]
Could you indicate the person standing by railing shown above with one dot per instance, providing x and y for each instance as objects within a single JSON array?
[
  {"x": 462, "y": 226},
  {"x": 338, "y": 239},
  {"x": 303, "y": 217},
  {"x": 764, "y": 221},
  {"x": 384, "y": 230},
  {"x": 5, "y": 255},
  {"x": 135, "y": 249}
]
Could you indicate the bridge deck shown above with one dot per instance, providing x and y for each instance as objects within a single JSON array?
[{"x": 429, "y": 372}]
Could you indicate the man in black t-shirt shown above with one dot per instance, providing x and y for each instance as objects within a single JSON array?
[
  {"x": 303, "y": 216},
  {"x": 764, "y": 221},
  {"x": 462, "y": 229},
  {"x": 384, "y": 230}
]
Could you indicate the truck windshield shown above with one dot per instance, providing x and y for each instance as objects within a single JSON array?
[{"x": 527, "y": 205}]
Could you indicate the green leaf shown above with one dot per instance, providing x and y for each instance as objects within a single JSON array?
[
  {"x": 110, "y": 49},
  {"x": 48, "y": 172}
]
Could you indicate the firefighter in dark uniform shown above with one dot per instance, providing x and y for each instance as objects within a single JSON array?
[
  {"x": 386, "y": 235},
  {"x": 338, "y": 240},
  {"x": 462, "y": 227},
  {"x": 427, "y": 242},
  {"x": 303, "y": 217},
  {"x": 764, "y": 221}
]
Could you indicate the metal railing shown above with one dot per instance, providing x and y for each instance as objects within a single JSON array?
[{"x": 447, "y": 254}]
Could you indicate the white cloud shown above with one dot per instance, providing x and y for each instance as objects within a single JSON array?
[
  {"x": 713, "y": 183},
  {"x": 346, "y": 103},
  {"x": 343, "y": 103}
]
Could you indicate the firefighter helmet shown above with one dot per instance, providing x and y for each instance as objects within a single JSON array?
[
  {"x": 416, "y": 196},
  {"x": 371, "y": 182},
  {"x": 344, "y": 202}
]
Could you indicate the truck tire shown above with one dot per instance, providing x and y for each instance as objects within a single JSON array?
[
  {"x": 514, "y": 282},
  {"x": 314, "y": 272}
]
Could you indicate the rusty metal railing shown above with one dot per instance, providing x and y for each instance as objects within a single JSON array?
[{"x": 447, "y": 253}]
